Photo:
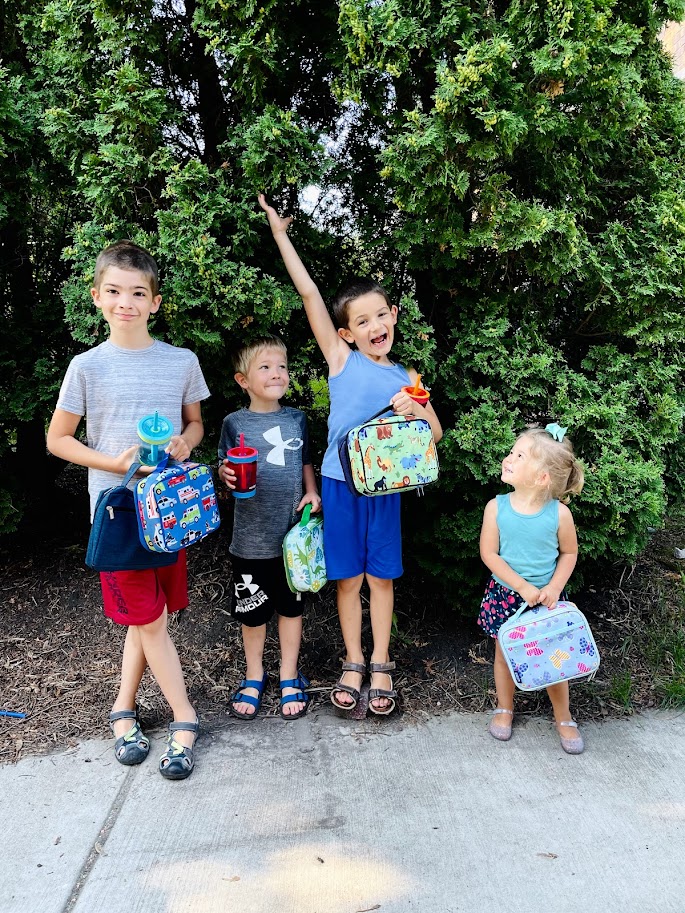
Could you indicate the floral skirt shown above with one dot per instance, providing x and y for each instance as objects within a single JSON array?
[{"x": 499, "y": 603}]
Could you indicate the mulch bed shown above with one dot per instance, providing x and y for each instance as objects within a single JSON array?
[{"x": 59, "y": 658}]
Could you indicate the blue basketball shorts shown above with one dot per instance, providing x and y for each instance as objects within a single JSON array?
[{"x": 360, "y": 535}]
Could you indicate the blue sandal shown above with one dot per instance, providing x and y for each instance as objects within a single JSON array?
[
  {"x": 300, "y": 682},
  {"x": 133, "y": 747},
  {"x": 178, "y": 762},
  {"x": 239, "y": 698}
]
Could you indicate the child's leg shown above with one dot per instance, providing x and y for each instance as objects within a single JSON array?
[
  {"x": 133, "y": 665},
  {"x": 290, "y": 637},
  {"x": 165, "y": 665},
  {"x": 254, "y": 639},
  {"x": 350, "y": 615},
  {"x": 503, "y": 717},
  {"x": 504, "y": 683},
  {"x": 571, "y": 739},
  {"x": 382, "y": 602}
]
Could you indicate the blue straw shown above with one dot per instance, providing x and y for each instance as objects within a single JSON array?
[{"x": 13, "y": 714}]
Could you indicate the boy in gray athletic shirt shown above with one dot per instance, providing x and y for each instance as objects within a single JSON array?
[
  {"x": 114, "y": 385},
  {"x": 285, "y": 483}
]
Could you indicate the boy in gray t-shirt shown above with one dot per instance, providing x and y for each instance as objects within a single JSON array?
[
  {"x": 285, "y": 483},
  {"x": 113, "y": 386}
]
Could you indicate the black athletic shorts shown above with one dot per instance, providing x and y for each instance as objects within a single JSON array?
[{"x": 260, "y": 589}]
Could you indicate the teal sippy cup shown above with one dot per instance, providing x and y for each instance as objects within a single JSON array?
[{"x": 155, "y": 432}]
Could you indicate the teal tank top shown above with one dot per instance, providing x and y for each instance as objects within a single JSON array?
[
  {"x": 360, "y": 389},
  {"x": 529, "y": 543}
]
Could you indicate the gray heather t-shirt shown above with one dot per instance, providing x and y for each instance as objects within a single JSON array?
[
  {"x": 261, "y": 522},
  {"x": 114, "y": 388}
]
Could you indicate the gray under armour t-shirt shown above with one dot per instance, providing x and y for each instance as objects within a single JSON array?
[
  {"x": 114, "y": 388},
  {"x": 282, "y": 440}
]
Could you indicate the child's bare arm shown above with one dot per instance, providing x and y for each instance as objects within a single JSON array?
[
  {"x": 403, "y": 404},
  {"x": 311, "y": 492},
  {"x": 568, "y": 555},
  {"x": 335, "y": 349},
  {"x": 63, "y": 443},
  {"x": 489, "y": 553},
  {"x": 181, "y": 445}
]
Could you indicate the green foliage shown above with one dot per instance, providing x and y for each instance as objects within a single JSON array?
[{"x": 512, "y": 172}]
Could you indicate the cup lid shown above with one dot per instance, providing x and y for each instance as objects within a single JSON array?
[
  {"x": 243, "y": 453},
  {"x": 155, "y": 429}
]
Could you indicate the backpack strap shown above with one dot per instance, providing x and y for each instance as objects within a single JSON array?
[
  {"x": 134, "y": 467},
  {"x": 380, "y": 412}
]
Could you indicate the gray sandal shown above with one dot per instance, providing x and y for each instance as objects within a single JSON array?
[
  {"x": 498, "y": 730},
  {"x": 375, "y": 693},
  {"x": 348, "y": 689},
  {"x": 571, "y": 744},
  {"x": 178, "y": 762},
  {"x": 133, "y": 747}
]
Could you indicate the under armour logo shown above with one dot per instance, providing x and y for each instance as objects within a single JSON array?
[
  {"x": 277, "y": 455},
  {"x": 247, "y": 584}
]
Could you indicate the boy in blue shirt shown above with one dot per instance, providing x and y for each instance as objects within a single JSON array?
[
  {"x": 285, "y": 484},
  {"x": 362, "y": 536},
  {"x": 113, "y": 385}
]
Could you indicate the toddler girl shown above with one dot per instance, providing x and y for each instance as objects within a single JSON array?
[{"x": 528, "y": 542}]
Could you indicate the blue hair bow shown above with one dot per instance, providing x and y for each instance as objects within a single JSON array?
[{"x": 556, "y": 431}]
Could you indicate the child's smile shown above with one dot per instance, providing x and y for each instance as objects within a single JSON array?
[
  {"x": 371, "y": 325},
  {"x": 518, "y": 467}
]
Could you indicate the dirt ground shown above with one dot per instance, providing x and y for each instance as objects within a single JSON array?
[{"x": 59, "y": 657}]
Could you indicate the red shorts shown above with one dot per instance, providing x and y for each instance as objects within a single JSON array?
[{"x": 139, "y": 597}]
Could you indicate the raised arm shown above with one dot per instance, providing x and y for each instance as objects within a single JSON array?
[{"x": 335, "y": 349}]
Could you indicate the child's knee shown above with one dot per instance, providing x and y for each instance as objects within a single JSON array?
[
  {"x": 380, "y": 584},
  {"x": 350, "y": 585}
]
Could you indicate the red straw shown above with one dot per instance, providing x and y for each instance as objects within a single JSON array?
[{"x": 242, "y": 444}]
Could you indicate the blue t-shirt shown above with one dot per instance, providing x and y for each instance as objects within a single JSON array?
[
  {"x": 529, "y": 543},
  {"x": 360, "y": 389}
]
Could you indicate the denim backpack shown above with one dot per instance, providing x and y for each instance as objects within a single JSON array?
[
  {"x": 305, "y": 565},
  {"x": 545, "y": 646},
  {"x": 176, "y": 505},
  {"x": 385, "y": 456},
  {"x": 114, "y": 544}
]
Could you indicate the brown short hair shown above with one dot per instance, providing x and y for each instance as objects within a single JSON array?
[
  {"x": 558, "y": 460},
  {"x": 127, "y": 255},
  {"x": 353, "y": 290},
  {"x": 247, "y": 353}
]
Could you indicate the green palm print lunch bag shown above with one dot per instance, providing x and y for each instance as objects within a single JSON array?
[{"x": 305, "y": 565}]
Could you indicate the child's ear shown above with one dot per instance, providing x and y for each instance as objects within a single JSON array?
[
  {"x": 240, "y": 379},
  {"x": 394, "y": 312},
  {"x": 95, "y": 295},
  {"x": 156, "y": 301},
  {"x": 543, "y": 480},
  {"x": 345, "y": 334}
]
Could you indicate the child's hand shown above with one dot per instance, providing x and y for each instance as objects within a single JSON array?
[
  {"x": 549, "y": 596},
  {"x": 178, "y": 448},
  {"x": 123, "y": 462},
  {"x": 403, "y": 404},
  {"x": 275, "y": 221},
  {"x": 530, "y": 593},
  {"x": 314, "y": 499},
  {"x": 227, "y": 475}
]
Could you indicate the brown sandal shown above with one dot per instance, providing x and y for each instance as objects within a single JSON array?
[
  {"x": 348, "y": 689},
  {"x": 375, "y": 693}
]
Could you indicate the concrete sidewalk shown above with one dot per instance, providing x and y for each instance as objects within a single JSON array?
[{"x": 324, "y": 815}]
